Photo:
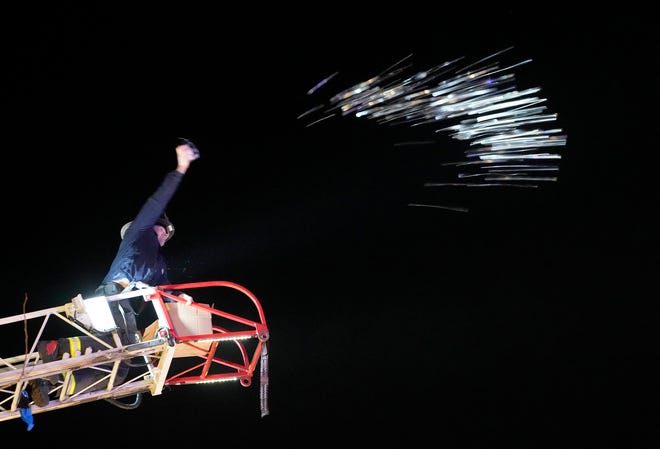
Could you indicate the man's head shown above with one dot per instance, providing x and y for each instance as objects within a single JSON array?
[
  {"x": 165, "y": 222},
  {"x": 163, "y": 228}
]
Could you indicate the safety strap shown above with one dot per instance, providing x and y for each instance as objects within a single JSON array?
[{"x": 264, "y": 380}]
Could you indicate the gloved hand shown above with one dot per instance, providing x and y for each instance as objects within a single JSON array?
[{"x": 26, "y": 411}]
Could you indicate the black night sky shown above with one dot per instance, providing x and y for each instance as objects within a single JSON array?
[{"x": 518, "y": 324}]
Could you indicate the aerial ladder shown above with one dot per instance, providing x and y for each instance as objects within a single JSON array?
[{"x": 217, "y": 337}]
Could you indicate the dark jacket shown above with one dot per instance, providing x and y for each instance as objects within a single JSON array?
[{"x": 139, "y": 257}]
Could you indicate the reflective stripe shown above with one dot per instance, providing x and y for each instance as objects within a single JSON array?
[{"x": 74, "y": 347}]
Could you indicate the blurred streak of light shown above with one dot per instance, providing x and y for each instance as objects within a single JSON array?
[
  {"x": 478, "y": 103},
  {"x": 457, "y": 209},
  {"x": 321, "y": 83},
  {"x": 396, "y": 63},
  {"x": 320, "y": 120},
  {"x": 480, "y": 184},
  {"x": 310, "y": 111}
]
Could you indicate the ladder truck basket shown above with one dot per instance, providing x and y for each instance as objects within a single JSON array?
[{"x": 216, "y": 337}]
